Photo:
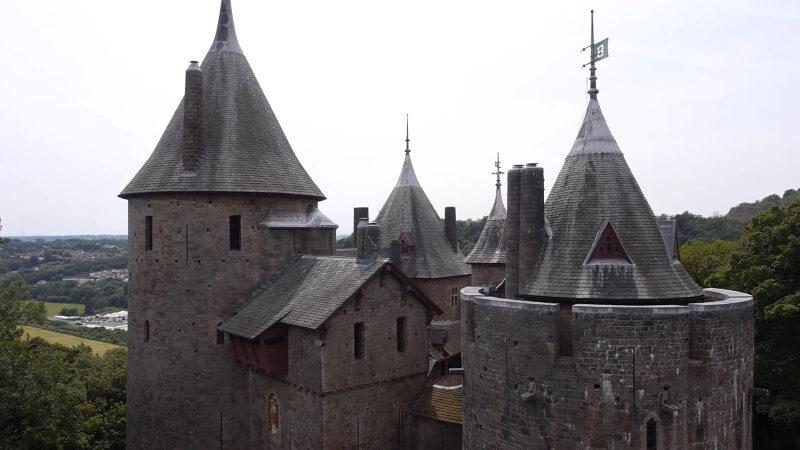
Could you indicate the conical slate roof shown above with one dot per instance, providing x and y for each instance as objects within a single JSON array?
[
  {"x": 408, "y": 211},
  {"x": 596, "y": 188},
  {"x": 491, "y": 246},
  {"x": 246, "y": 150}
]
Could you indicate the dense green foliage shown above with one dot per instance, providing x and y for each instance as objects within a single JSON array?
[
  {"x": 707, "y": 262},
  {"x": 743, "y": 212},
  {"x": 468, "y": 232},
  {"x": 693, "y": 227},
  {"x": 52, "y": 396}
]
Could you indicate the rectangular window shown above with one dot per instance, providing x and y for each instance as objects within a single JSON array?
[
  {"x": 236, "y": 232},
  {"x": 358, "y": 340},
  {"x": 148, "y": 232},
  {"x": 401, "y": 334},
  {"x": 220, "y": 337}
]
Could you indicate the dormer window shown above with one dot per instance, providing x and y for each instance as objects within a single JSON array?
[{"x": 607, "y": 248}]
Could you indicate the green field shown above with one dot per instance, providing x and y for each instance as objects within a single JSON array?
[
  {"x": 54, "y": 309},
  {"x": 68, "y": 340}
]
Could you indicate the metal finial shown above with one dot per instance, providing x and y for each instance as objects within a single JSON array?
[
  {"x": 498, "y": 172},
  {"x": 408, "y": 149},
  {"x": 592, "y": 77}
]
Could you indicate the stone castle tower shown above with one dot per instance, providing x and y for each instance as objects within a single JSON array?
[
  {"x": 602, "y": 340},
  {"x": 217, "y": 207}
]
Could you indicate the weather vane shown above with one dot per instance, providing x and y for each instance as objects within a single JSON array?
[
  {"x": 599, "y": 51},
  {"x": 408, "y": 149},
  {"x": 498, "y": 173}
]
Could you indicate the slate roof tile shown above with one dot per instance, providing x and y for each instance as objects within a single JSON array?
[{"x": 594, "y": 186}]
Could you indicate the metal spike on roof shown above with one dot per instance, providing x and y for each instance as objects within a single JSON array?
[
  {"x": 225, "y": 39},
  {"x": 407, "y": 175}
]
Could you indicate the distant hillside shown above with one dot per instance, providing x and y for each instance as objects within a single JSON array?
[{"x": 743, "y": 212}]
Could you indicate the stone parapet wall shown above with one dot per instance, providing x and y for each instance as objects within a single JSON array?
[{"x": 628, "y": 365}]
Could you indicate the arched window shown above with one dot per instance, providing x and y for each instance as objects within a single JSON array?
[
  {"x": 652, "y": 430},
  {"x": 274, "y": 417},
  {"x": 146, "y": 330}
]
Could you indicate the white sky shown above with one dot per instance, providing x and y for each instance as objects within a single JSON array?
[{"x": 700, "y": 96}]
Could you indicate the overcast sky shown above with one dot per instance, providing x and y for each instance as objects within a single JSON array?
[{"x": 701, "y": 96}]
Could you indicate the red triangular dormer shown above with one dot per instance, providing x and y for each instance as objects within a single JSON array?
[{"x": 607, "y": 248}]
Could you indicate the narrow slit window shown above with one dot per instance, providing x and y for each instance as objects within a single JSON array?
[
  {"x": 148, "y": 233},
  {"x": 358, "y": 340},
  {"x": 651, "y": 434},
  {"x": 236, "y": 232},
  {"x": 220, "y": 336},
  {"x": 401, "y": 334},
  {"x": 146, "y": 330}
]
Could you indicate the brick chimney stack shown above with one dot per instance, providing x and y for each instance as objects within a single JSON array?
[
  {"x": 359, "y": 214},
  {"x": 525, "y": 224},
  {"x": 450, "y": 227},
  {"x": 368, "y": 242},
  {"x": 193, "y": 120}
]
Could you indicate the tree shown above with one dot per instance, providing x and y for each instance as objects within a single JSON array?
[
  {"x": 706, "y": 262},
  {"x": 766, "y": 263}
]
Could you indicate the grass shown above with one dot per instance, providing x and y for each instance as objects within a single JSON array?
[
  {"x": 54, "y": 309},
  {"x": 68, "y": 340}
]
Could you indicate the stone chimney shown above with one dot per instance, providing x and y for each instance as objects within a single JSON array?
[
  {"x": 368, "y": 242},
  {"x": 450, "y": 227},
  {"x": 193, "y": 120},
  {"x": 525, "y": 224},
  {"x": 359, "y": 214}
]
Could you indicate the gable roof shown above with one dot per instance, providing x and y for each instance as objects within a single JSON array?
[
  {"x": 245, "y": 148},
  {"x": 306, "y": 291},
  {"x": 596, "y": 185},
  {"x": 408, "y": 211},
  {"x": 491, "y": 245},
  {"x": 441, "y": 403}
]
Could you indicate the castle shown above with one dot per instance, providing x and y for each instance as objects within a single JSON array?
[{"x": 576, "y": 323}]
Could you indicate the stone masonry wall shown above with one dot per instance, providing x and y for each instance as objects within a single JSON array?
[
  {"x": 487, "y": 274},
  {"x": 682, "y": 367},
  {"x": 184, "y": 389},
  {"x": 445, "y": 293}
]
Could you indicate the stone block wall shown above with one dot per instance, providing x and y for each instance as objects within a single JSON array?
[
  {"x": 487, "y": 274},
  {"x": 445, "y": 293},
  {"x": 382, "y": 302},
  {"x": 628, "y": 366},
  {"x": 178, "y": 293}
]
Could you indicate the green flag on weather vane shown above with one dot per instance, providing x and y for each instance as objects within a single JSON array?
[{"x": 600, "y": 50}]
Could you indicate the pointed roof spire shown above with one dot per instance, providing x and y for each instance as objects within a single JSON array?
[
  {"x": 408, "y": 149},
  {"x": 498, "y": 209},
  {"x": 225, "y": 39}
]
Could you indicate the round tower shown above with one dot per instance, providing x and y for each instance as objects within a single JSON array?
[
  {"x": 603, "y": 339},
  {"x": 217, "y": 207}
]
